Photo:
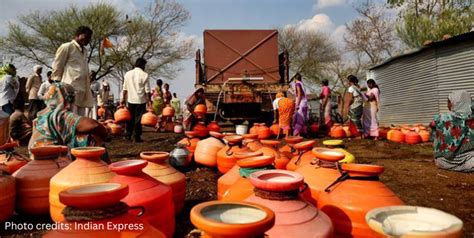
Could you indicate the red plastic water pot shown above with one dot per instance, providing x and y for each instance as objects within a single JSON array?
[{"x": 147, "y": 192}]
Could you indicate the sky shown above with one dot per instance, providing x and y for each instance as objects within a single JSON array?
[{"x": 327, "y": 16}]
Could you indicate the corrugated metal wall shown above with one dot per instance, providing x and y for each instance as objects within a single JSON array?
[
  {"x": 408, "y": 89},
  {"x": 455, "y": 71}
]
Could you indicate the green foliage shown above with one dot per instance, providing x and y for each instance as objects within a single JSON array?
[{"x": 420, "y": 21}]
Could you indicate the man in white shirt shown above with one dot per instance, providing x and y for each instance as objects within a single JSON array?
[
  {"x": 32, "y": 86},
  {"x": 9, "y": 87},
  {"x": 70, "y": 66},
  {"x": 45, "y": 86},
  {"x": 137, "y": 94}
]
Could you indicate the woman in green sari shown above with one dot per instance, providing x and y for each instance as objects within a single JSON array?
[
  {"x": 454, "y": 134},
  {"x": 58, "y": 125}
]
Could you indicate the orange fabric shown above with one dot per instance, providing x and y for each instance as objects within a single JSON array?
[{"x": 286, "y": 109}]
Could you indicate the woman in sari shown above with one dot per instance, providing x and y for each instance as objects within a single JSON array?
[
  {"x": 371, "y": 107},
  {"x": 58, "y": 125},
  {"x": 325, "y": 106},
  {"x": 190, "y": 117},
  {"x": 301, "y": 112},
  {"x": 158, "y": 101},
  {"x": 356, "y": 103},
  {"x": 283, "y": 110},
  {"x": 454, "y": 134}
]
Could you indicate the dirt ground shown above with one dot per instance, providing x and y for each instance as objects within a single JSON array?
[{"x": 409, "y": 171}]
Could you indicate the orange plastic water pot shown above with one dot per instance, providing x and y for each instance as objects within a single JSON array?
[
  {"x": 270, "y": 147},
  {"x": 206, "y": 150},
  {"x": 425, "y": 136},
  {"x": 190, "y": 141},
  {"x": 86, "y": 169},
  {"x": 225, "y": 156},
  {"x": 397, "y": 136},
  {"x": 149, "y": 119},
  {"x": 200, "y": 110},
  {"x": 263, "y": 132},
  {"x": 32, "y": 180},
  {"x": 347, "y": 196},
  {"x": 337, "y": 131},
  {"x": 145, "y": 191},
  {"x": 10, "y": 161},
  {"x": 93, "y": 209},
  {"x": 251, "y": 141},
  {"x": 201, "y": 130},
  {"x": 412, "y": 137},
  {"x": 216, "y": 219},
  {"x": 229, "y": 178},
  {"x": 213, "y": 126},
  {"x": 279, "y": 190},
  {"x": 159, "y": 168},
  {"x": 122, "y": 115},
  {"x": 168, "y": 111},
  {"x": 304, "y": 155},
  {"x": 242, "y": 188}
]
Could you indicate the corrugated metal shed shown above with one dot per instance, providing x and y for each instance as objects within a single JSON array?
[
  {"x": 414, "y": 87},
  {"x": 455, "y": 71}
]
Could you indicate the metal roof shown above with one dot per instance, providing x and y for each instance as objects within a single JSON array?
[{"x": 466, "y": 37}]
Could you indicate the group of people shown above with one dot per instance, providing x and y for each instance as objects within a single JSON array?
[
  {"x": 292, "y": 115},
  {"x": 137, "y": 95},
  {"x": 362, "y": 106}
]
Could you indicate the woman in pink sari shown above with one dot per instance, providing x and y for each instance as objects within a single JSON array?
[
  {"x": 371, "y": 107},
  {"x": 325, "y": 105}
]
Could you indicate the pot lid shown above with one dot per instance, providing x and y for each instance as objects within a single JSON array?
[
  {"x": 157, "y": 156},
  {"x": 250, "y": 136},
  {"x": 94, "y": 195},
  {"x": 48, "y": 151},
  {"x": 246, "y": 154},
  {"x": 133, "y": 166},
  {"x": 270, "y": 142},
  {"x": 231, "y": 218},
  {"x": 256, "y": 162},
  {"x": 401, "y": 221},
  {"x": 305, "y": 145},
  {"x": 293, "y": 139},
  {"x": 333, "y": 142},
  {"x": 326, "y": 154},
  {"x": 363, "y": 169},
  {"x": 217, "y": 135},
  {"x": 276, "y": 180},
  {"x": 88, "y": 152},
  {"x": 234, "y": 139}
]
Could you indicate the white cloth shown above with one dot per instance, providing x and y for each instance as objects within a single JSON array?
[
  {"x": 137, "y": 85},
  {"x": 32, "y": 86},
  {"x": 70, "y": 66},
  {"x": 43, "y": 89},
  {"x": 9, "y": 87},
  {"x": 357, "y": 95},
  {"x": 275, "y": 103}
]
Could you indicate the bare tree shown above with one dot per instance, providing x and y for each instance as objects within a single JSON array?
[
  {"x": 371, "y": 33},
  {"x": 310, "y": 53},
  {"x": 155, "y": 37}
]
